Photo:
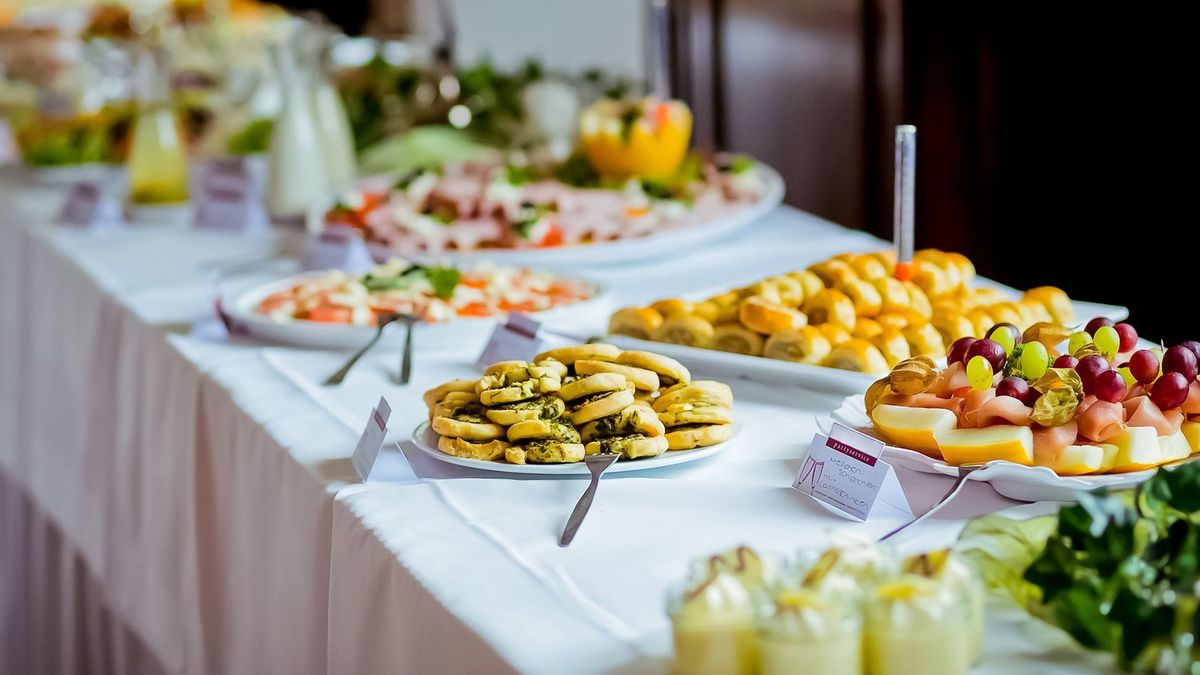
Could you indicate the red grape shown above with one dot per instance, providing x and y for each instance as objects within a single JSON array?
[
  {"x": 1170, "y": 391},
  {"x": 1180, "y": 359},
  {"x": 1109, "y": 386},
  {"x": 1066, "y": 361},
  {"x": 958, "y": 350},
  {"x": 1094, "y": 324},
  {"x": 1018, "y": 389},
  {"x": 1089, "y": 367},
  {"x": 1144, "y": 366},
  {"x": 990, "y": 350},
  {"x": 1016, "y": 332},
  {"x": 1129, "y": 336},
  {"x": 1193, "y": 346}
]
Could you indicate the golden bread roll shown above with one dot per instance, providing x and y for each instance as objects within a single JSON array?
[
  {"x": 981, "y": 320},
  {"x": 866, "y": 298},
  {"x": 683, "y": 329},
  {"x": 471, "y": 428},
  {"x": 698, "y": 390},
  {"x": 918, "y": 301},
  {"x": 893, "y": 296},
  {"x": 598, "y": 383},
  {"x": 458, "y": 447},
  {"x": 636, "y": 322},
  {"x": 588, "y": 408},
  {"x": 736, "y": 338},
  {"x": 671, "y": 306},
  {"x": 810, "y": 282},
  {"x": 893, "y": 345},
  {"x": 646, "y": 380},
  {"x": 764, "y": 316},
  {"x": 435, "y": 395},
  {"x": 866, "y": 328},
  {"x": 791, "y": 292},
  {"x": 925, "y": 340},
  {"x": 1055, "y": 301},
  {"x": 669, "y": 370},
  {"x": 806, "y": 345},
  {"x": 569, "y": 355},
  {"x": 1006, "y": 312},
  {"x": 894, "y": 321},
  {"x": 952, "y": 326},
  {"x": 834, "y": 272},
  {"x": 695, "y": 412},
  {"x": 702, "y": 435},
  {"x": 868, "y": 267},
  {"x": 835, "y": 333},
  {"x": 831, "y": 306},
  {"x": 858, "y": 355}
]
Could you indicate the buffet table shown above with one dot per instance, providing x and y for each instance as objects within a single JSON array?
[{"x": 196, "y": 490}]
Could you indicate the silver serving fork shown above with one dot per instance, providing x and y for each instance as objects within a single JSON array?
[{"x": 597, "y": 464}]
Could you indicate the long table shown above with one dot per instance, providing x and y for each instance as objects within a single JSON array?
[{"x": 195, "y": 491}]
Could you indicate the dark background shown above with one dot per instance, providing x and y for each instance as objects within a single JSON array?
[{"x": 1056, "y": 141}]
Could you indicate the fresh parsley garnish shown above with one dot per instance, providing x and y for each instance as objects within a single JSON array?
[
  {"x": 443, "y": 279},
  {"x": 518, "y": 175}
]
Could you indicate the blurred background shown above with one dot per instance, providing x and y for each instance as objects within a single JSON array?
[{"x": 1052, "y": 142}]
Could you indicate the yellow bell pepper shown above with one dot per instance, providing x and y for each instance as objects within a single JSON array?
[{"x": 643, "y": 139}]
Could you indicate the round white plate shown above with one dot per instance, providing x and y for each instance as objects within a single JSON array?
[
  {"x": 608, "y": 252},
  {"x": 1015, "y": 481},
  {"x": 241, "y": 306},
  {"x": 426, "y": 439}
]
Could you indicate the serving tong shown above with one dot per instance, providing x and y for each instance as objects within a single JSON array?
[{"x": 382, "y": 321}]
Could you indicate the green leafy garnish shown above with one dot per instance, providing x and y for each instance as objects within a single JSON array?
[
  {"x": 518, "y": 175},
  {"x": 443, "y": 279},
  {"x": 630, "y": 114},
  {"x": 1119, "y": 572},
  {"x": 252, "y": 139},
  {"x": 656, "y": 190},
  {"x": 741, "y": 164},
  {"x": 1012, "y": 365},
  {"x": 577, "y": 171}
]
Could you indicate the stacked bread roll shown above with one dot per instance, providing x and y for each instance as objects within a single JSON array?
[
  {"x": 577, "y": 401},
  {"x": 846, "y": 312}
]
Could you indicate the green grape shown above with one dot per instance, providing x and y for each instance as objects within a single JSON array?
[
  {"x": 1078, "y": 340},
  {"x": 979, "y": 373},
  {"x": 1107, "y": 341},
  {"x": 1130, "y": 380},
  {"x": 1034, "y": 360},
  {"x": 1005, "y": 339}
]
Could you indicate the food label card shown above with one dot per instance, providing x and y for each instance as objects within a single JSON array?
[
  {"x": 371, "y": 441},
  {"x": 844, "y": 471},
  {"x": 89, "y": 206},
  {"x": 515, "y": 339},
  {"x": 337, "y": 248},
  {"x": 228, "y": 199}
]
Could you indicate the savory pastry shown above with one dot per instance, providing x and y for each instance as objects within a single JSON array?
[
  {"x": 632, "y": 446},
  {"x": 765, "y": 316},
  {"x": 468, "y": 424},
  {"x": 1006, "y": 312},
  {"x": 668, "y": 369},
  {"x": 697, "y": 436},
  {"x": 918, "y": 301},
  {"x": 671, "y": 306},
  {"x": 806, "y": 345},
  {"x": 435, "y": 395},
  {"x": 868, "y": 268},
  {"x": 458, "y": 447},
  {"x": 592, "y": 384},
  {"x": 546, "y": 407},
  {"x": 892, "y": 344},
  {"x": 588, "y": 408},
  {"x": 636, "y": 322},
  {"x": 453, "y": 403},
  {"x": 646, "y": 380},
  {"x": 866, "y": 298},
  {"x": 1055, "y": 301},
  {"x": 893, "y": 296},
  {"x": 699, "y": 411},
  {"x": 831, "y": 306},
  {"x": 549, "y": 451},
  {"x": 952, "y": 326},
  {"x": 892, "y": 321},
  {"x": 791, "y": 291},
  {"x": 924, "y": 340},
  {"x": 736, "y": 338},
  {"x": 726, "y": 307},
  {"x": 981, "y": 320},
  {"x": 835, "y": 333},
  {"x": 636, "y": 419},
  {"x": 532, "y": 430},
  {"x": 858, "y": 355},
  {"x": 685, "y": 329},
  {"x": 834, "y": 272},
  {"x": 520, "y": 382},
  {"x": 810, "y": 282},
  {"x": 700, "y": 390},
  {"x": 866, "y": 328},
  {"x": 598, "y": 351}
]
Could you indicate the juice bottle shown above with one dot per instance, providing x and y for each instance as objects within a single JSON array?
[{"x": 158, "y": 167}]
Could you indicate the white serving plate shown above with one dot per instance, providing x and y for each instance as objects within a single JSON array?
[
  {"x": 602, "y": 253},
  {"x": 71, "y": 173},
  {"x": 775, "y": 371},
  {"x": 241, "y": 306},
  {"x": 1015, "y": 481},
  {"x": 426, "y": 439}
]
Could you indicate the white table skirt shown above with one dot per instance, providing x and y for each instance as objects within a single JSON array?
[{"x": 204, "y": 481}]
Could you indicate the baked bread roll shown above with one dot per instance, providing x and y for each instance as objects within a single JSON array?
[
  {"x": 697, "y": 436},
  {"x": 636, "y": 322},
  {"x": 806, "y": 345},
  {"x": 458, "y": 447},
  {"x": 858, "y": 355},
  {"x": 737, "y": 339},
  {"x": 668, "y": 369}
]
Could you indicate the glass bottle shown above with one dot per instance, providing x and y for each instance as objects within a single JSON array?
[
  {"x": 158, "y": 166},
  {"x": 337, "y": 140},
  {"x": 296, "y": 175}
]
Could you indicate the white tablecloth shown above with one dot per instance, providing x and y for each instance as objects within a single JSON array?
[{"x": 206, "y": 486}]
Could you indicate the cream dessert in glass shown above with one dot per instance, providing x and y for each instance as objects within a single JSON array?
[{"x": 917, "y": 626}]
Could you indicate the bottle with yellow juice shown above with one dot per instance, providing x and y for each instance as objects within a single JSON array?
[
  {"x": 158, "y": 167},
  {"x": 646, "y": 138}
]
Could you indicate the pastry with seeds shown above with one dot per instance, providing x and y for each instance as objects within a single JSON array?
[
  {"x": 636, "y": 419},
  {"x": 695, "y": 412},
  {"x": 669, "y": 370},
  {"x": 534, "y": 430},
  {"x": 546, "y": 407},
  {"x": 633, "y": 446},
  {"x": 569, "y": 355},
  {"x": 487, "y": 451},
  {"x": 435, "y": 395},
  {"x": 710, "y": 390},
  {"x": 688, "y": 437},
  {"x": 643, "y": 379}
]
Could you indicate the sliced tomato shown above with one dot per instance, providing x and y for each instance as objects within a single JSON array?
[
  {"x": 526, "y": 306},
  {"x": 662, "y": 115},
  {"x": 274, "y": 301},
  {"x": 477, "y": 309},
  {"x": 330, "y": 314},
  {"x": 472, "y": 281},
  {"x": 553, "y": 238}
]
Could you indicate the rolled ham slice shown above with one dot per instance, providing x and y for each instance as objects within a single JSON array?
[
  {"x": 1101, "y": 421},
  {"x": 1191, "y": 406},
  {"x": 999, "y": 410},
  {"x": 954, "y": 377},
  {"x": 925, "y": 400},
  {"x": 1140, "y": 411},
  {"x": 1049, "y": 441}
]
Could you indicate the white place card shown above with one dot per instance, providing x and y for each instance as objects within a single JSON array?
[
  {"x": 520, "y": 338},
  {"x": 89, "y": 206},
  {"x": 229, "y": 200},
  {"x": 337, "y": 248},
  {"x": 844, "y": 471},
  {"x": 371, "y": 442}
]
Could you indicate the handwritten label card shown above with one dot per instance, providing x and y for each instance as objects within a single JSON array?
[
  {"x": 844, "y": 471},
  {"x": 337, "y": 248},
  {"x": 371, "y": 441},
  {"x": 89, "y": 206},
  {"x": 229, "y": 200}
]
